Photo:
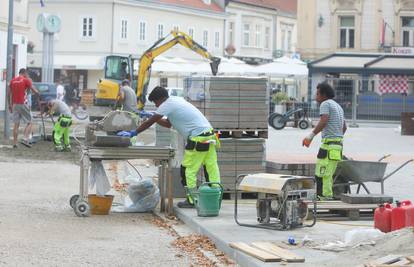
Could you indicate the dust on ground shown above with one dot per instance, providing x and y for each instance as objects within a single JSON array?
[{"x": 400, "y": 242}]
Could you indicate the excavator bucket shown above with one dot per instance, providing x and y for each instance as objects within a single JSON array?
[{"x": 215, "y": 62}]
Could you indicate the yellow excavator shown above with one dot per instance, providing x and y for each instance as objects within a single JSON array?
[{"x": 118, "y": 68}]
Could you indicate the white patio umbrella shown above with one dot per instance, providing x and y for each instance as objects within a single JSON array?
[{"x": 280, "y": 69}]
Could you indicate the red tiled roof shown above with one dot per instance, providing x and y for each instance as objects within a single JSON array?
[
  {"x": 289, "y": 6},
  {"x": 198, "y": 4}
]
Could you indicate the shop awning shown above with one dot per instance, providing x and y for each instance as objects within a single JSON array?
[
  {"x": 80, "y": 62},
  {"x": 364, "y": 64}
]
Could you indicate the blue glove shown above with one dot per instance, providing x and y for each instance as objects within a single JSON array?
[
  {"x": 145, "y": 114},
  {"x": 127, "y": 133}
]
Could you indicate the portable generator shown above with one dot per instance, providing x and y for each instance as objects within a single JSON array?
[{"x": 282, "y": 201}]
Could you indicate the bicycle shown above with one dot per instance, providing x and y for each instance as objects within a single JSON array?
[
  {"x": 78, "y": 109},
  {"x": 298, "y": 115}
]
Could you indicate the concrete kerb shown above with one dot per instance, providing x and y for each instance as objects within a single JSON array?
[{"x": 239, "y": 257}]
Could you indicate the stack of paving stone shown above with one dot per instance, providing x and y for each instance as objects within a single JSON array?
[
  {"x": 240, "y": 156},
  {"x": 230, "y": 103}
]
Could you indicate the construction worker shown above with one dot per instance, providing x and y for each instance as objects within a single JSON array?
[
  {"x": 192, "y": 125},
  {"x": 333, "y": 127},
  {"x": 127, "y": 97},
  {"x": 61, "y": 127}
]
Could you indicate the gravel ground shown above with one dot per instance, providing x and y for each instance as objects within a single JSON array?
[{"x": 38, "y": 227}]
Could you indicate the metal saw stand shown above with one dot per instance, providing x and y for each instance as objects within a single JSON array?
[{"x": 160, "y": 155}]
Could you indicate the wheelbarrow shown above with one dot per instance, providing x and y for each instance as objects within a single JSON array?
[{"x": 353, "y": 172}]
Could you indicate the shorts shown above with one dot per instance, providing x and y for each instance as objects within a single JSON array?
[{"x": 21, "y": 112}]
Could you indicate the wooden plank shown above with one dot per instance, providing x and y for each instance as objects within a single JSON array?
[
  {"x": 286, "y": 255},
  {"x": 255, "y": 252},
  {"x": 389, "y": 259}
]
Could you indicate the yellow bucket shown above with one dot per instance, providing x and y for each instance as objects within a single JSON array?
[{"x": 100, "y": 205}]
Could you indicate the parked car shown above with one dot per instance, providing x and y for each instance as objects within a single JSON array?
[{"x": 46, "y": 90}]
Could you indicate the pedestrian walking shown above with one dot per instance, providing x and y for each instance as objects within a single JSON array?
[
  {"x": 333, "y": 127},
  {"x": 60, "y": 91}
]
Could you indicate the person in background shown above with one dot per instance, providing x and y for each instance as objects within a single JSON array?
[
  {"x": 60, "y": 91},
  {"x": 62, "y": 125},
  {"x": 19, "y": 105},
  {"x": 333, "y": 127},
  {"x": 127, "y": 97}
]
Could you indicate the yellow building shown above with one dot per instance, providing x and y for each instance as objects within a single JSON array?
[{"x": 366, "y": 26}]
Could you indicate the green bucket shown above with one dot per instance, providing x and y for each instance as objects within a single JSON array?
[{"x": 208, "y": 199}]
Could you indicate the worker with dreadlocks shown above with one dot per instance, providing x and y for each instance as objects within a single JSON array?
[{"x": 333, "y": 127}]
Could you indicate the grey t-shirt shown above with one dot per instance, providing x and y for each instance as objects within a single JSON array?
[
  {"x": 60, "y": 107},
  {"x": 334, "y": 128},
  {"x": 130, "y": 99}
]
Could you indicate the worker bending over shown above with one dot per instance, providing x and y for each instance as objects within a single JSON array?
[
  {"x": 333, "y": 127},
  {"x": 192, "y": 125},
  {"x": 61, "y": 127}
]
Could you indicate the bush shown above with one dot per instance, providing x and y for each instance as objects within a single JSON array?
[{"x": 279, "y": 98}]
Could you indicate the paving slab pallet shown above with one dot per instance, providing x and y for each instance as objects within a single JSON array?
[{"x": 342, "y": 209}]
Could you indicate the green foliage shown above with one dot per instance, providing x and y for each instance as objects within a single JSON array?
[{"x": 279, "y": 98}]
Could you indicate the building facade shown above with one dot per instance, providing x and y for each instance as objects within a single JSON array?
[
  {"x": 367, "y": 26},
  {"x": 20, "y": 40},
  {"x": 93, "y": 29},
  {"x": 258, "y": 30}
]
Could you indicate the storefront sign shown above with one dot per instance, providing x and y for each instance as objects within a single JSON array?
[{"x": 402, "y": 50}]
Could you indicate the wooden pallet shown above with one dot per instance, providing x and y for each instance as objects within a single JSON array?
[
  {"x": 242, "y": 133},
  {"x": 336, "y": 208}
]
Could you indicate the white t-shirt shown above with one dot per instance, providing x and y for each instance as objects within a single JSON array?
[
  {"x": 60, "y": 92},
  {"x": 184, "y": 117}
]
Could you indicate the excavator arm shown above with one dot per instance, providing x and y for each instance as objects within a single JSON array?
[{"x": 146, "y": 60}]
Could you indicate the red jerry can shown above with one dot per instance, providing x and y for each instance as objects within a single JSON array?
[
  {"x": 409, "y": 214},
  {"x": 382, "y": 217},
  {"x": 398, "y": 217}
]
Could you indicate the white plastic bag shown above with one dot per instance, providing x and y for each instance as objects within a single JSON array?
[
  {"x": 143, "y": 196},
  {"x": 361, "y": 236},
  {"x": 98, "y": 177}
]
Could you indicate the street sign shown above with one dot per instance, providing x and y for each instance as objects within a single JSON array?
[{"x": 402, "y": 51}]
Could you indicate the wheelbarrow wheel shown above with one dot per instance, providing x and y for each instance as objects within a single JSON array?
[
  {"x": 303, "y": 124},
  {"x": 277, "y": 121},
  {"x": 82, "y": 209},
  {"x": 73, "y": 201}
]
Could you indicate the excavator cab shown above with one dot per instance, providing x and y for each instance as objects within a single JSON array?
[{"x": 117, "y": 69}]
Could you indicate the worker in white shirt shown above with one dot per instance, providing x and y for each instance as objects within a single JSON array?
[{"x": 60, "y": 91}]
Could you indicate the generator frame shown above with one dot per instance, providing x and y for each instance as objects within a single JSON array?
[{"x": 270, "y": 226}]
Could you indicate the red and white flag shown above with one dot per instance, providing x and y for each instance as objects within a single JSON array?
[{"x": 393, "y": 84}]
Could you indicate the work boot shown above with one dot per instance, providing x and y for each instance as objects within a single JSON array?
[
  {"x": 67, "y": 149},
  {"x": 185, "y": 204},
  {"x": 58, "y": 149}
]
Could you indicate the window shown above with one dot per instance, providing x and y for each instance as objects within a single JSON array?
[
  {"x": 160, "y": 31},
  {"x": 267, "y": 37},
  {"x": 124, "y": 29},
  {"x": 283, "y": 40},
  {"x": 258, "y": 36},
  {"x": 347, "y": 32},
  {"x": 88, "y": 27},
  {"x": 231, "y": 32},
  {"x": 191, "y": 32},
  {"x": 289, "y": 41},
  {"x": 142, "y": 31},
  {"x": 205, "y": 38},
  {"x": 246, "y": 34},
  {"x": 216, "y": 39},
  {"x": 407, "y": 31},
  {"x": 164, "y": 82}
]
